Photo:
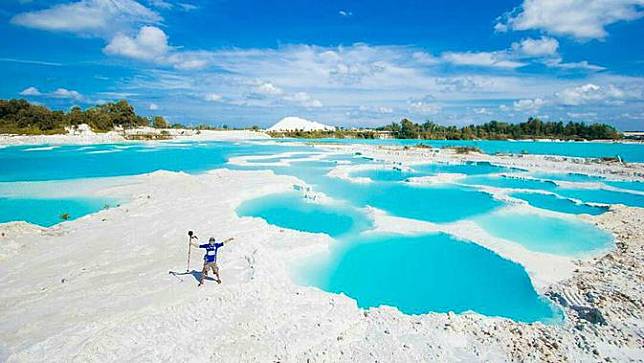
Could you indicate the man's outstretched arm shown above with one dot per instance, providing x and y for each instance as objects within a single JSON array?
[{"x": 228, "y": 240}]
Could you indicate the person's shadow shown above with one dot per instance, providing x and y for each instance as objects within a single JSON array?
[{"x": 196, "y": 274}]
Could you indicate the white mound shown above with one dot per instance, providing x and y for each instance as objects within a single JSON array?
[{"x": 293, "y": 123}]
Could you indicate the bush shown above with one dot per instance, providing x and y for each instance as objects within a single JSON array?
[{"x": 464, "y": 149}]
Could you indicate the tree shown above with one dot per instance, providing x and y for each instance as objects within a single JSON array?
[
  {"x": 408, "y": 130},
  {"x": 159, "y": 122}
]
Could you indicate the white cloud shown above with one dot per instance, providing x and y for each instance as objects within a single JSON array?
[
  {"x": 481, "y": 111},
  {"x": 582, "y": 115},
  {"x": 398, "y": 82},
  {"x": 528, "y": 104},
  {"x": 269, "y": 89},
  {"x": 187, "y": 60},
  {"x": 303, "y": 99},
  {"x": 481, "y": 59},
  {"x": 558, "y": 63},
  {"x": 542, "y": 47},
  {"x": 424, "y": 107},
  {"x": 425, "y": 58},
  {"x": 213, "y": 97},
  {"x": 581, "y": 19},
  {"x": 161, "y": 4},
  {"x": 589, "y": 93},
  {"x": 345, "y": 13},
  {"x": 65, "y": 93},
  {"x": 149, "y": 44},
  {"x": 542, "y": 50},
  {"x": 187, "y": 7},
  {"x": 153, "y": 107},
  {"x": 88, "y": 17},
  {"x": 500, "y": 28},
  {"x": 30, "y": 91}
]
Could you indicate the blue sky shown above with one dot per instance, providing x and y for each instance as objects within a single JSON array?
[{"x": 350, "y": 63}]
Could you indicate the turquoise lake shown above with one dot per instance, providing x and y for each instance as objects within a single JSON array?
[{"x": 416, "y": 274}]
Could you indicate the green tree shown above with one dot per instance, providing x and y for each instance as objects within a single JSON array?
[{"x": 159, "y": 122}]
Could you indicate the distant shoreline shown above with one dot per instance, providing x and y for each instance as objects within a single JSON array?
[{"x": 144, "y": 134}]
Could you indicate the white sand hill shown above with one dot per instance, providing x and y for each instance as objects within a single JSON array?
[{"x": 293, "y": 123}]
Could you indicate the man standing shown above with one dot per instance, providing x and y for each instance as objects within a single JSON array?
[{"x": 210, "y": 258}]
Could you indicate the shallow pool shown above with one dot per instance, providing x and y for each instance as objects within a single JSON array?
[
  {"x": 604, "y": 196},
  {"x": 428, "y": 273},
  {"x": 558, "y": 204},
  {"x": 293, "y": 211},
  {"x": 468, "y": 168},
  {"x": 508, "y": 182},
  {"x": 47, "y": 212},
  {"x": 560, "y": 236},
  {"x": 385, "y": 174}
]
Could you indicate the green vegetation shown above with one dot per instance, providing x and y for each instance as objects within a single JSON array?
[
  {"x": 22, "y": 117},
  {"x": 159, "y": 122},
  {"x": 534, "y": 128},
  {"x": 163, "y": 135},
  {"x": 464, "y": 149},
  {"x": 495, "y": 130}
]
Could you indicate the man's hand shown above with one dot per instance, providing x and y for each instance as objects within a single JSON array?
[{"x": 229, "y": 239}]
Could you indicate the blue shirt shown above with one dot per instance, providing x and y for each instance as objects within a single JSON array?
[{"x": 211, "y": 251}]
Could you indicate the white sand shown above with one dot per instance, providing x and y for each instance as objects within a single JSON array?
[
  {"x": 89, "y": 137},
  {"x": 98, "y": 288}
]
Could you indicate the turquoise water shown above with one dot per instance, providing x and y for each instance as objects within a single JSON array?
[
  {"x": 567, "y": 237},
  {"x": 570, "y": 177},
  {"x": 558, "y": 204},
  {"x": 508, "y": 182},
  {"x": 47, "y": 212},
  {"x": 631, "y": 152},
  {"x": 631, "y": 185},
  {"x": 390, "y": 174},
  {"x": 428, "y": 273},
  {"x": 604, "y": 196},
  {"x": 440, "y": 204},
  {"x": 430, "y": 257},
  {"x": 72, "y": 161},
  {"x": 292, "y": 211},
  {"x": 469, "y": 168},
  {"x": 394, "y": 174}
]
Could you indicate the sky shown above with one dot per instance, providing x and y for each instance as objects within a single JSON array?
[{"x": 344, "y": 63}]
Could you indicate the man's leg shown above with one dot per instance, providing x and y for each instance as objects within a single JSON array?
[
  {"x": 204, "y": 273},
  {"x": 215, "y": 270}
]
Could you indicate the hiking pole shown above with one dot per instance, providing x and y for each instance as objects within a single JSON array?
[{"x": 191, "y": 236}]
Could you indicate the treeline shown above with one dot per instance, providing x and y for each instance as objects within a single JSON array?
[
  {"x": 18, "y": 116},
  {"x": 534, "y": 128}
]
